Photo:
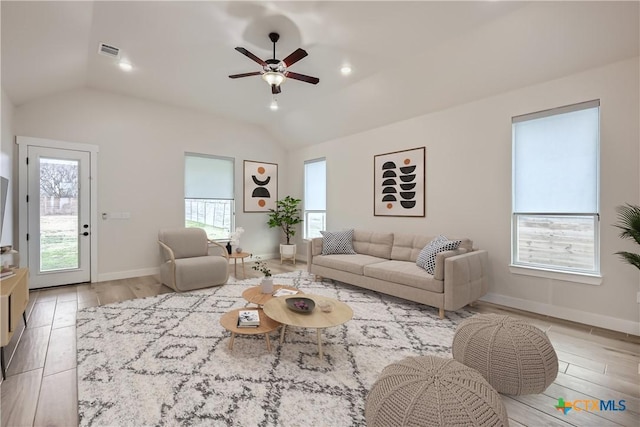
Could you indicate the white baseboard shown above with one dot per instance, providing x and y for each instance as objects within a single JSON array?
[
  {"x": 593, "y": 319},
  {"x": 156, "y": 270},
  {"x": 128, "y": 274}
]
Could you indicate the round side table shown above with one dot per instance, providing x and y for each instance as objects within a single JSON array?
[{"x": 235, "y": 256}]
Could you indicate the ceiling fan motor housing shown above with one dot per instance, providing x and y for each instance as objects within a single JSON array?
[{"x": 274, "y": 65}]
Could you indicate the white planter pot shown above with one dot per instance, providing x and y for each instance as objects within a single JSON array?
[
  {"x": 267, "y": 285},
  {"x": 288, "y": 252}
]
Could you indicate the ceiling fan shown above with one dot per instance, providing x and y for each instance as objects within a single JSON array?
[{"x": 274, "y": 71}]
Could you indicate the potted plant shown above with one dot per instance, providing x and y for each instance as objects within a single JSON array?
[
  {"x": 629, "y": 223},
  {"x": 267, "y": 281},
  {"x": 286, "y": 215}
]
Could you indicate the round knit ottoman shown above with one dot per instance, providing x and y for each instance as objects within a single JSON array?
[
  {"x": 432, "y": 391},
  {"x": 513, "y": 355}
]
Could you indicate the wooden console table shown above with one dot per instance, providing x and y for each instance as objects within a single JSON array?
[{"x": 14, "y": 296}]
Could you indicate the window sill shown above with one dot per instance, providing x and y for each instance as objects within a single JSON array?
[{"x": 587, "y": 279}]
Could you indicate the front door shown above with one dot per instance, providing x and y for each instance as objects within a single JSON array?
[{"x": 58, "y": 207}]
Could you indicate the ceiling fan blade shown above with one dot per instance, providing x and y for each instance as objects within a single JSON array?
[
  {"x": 275, "y": 89},
  {"x": 251, "y": 55},
  {"x": 296, "y": 56},
  {"x": 302, "y": 77},
  {"x": 254, "y": 73}
]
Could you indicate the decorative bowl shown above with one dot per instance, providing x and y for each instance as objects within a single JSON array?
[{"x": 300, "y": 304}]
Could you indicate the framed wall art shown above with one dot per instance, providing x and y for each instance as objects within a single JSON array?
[
  {"x": 399, "y": 183},
  {"x": 260, "y": 186}
]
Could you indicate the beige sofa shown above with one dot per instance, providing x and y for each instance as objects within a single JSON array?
[{"x": 386, "y": 262}]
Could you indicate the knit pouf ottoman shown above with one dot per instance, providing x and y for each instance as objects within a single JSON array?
[
  {"x": 432, "y": 391},
  {"x": 513, "y": 355}
]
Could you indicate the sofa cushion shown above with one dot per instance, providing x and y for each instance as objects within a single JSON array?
[
  {"x": 423, "y": 256},
  {"x": 337, "y": 242},
  {"x": 404, "y": 273},
  {"x": 350, "y": 264},
  {"x": 407, "y": 247},
  {"x": 374, "y": 244},
  {"x": 432, "y": 250}
]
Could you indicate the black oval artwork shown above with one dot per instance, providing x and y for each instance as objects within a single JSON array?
[
  {"x": 387, "y": 190},
  {"x": 258, "y": 182},
  {"x": 388, "y": 165},
  {"x": 389, "y": 198},
  {"x": 407, "y": 169},
  {"x": 407, "y": 178},
  {"x": 408, "y": 204},
  {"x": 407, "y": 187},
  {"x": 389, "y": 174},
  {"x": 389, "y": 182},
  {"x": 407, "y": 194},
  {"x": 260, "y": 192}
]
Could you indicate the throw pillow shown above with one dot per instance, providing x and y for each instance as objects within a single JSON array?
[
  {"x": 449, "y": 245},
  {"x": 337, "y": 242},
  {"x": 424, "y": 253}
]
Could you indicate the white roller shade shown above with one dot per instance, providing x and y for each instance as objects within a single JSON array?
[
  {"x": 315, "y": 185},
  {"x": 208, "y": 177},
  {"x": 556, "y": 160}
]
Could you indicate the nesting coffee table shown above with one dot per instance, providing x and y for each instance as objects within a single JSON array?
[
  {"x": 229, "y": 321},
  {"x": 254, "y": 295},
  {"x": 276, "y": 309}
]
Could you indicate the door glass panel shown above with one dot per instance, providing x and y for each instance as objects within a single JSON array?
[{"x": 59, "y": 233}]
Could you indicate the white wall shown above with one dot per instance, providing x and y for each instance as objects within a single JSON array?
[
  {"x": 468, "y": 190},
  {"x": 7, "y": 149},
  {"x": 141, "y": 167}
]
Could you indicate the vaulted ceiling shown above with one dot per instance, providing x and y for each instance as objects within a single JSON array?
[{"x": 408, "y": 58}]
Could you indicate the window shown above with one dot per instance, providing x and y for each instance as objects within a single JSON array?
[
  {"x": 208, "y": 194},
  {"x": 315, "y": 197},
  {"x": 556, "y": 189}
]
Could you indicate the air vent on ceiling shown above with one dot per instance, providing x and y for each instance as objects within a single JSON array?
[{"x": 108, "y": 50}]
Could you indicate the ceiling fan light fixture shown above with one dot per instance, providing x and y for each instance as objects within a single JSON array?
[{"x": 273, "y": 78}]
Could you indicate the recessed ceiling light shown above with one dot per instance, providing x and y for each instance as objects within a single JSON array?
[
  {"x": 274, "y": 105},
  {"x": 125, "y": 66},
  {"x": 345, "y": 70}
]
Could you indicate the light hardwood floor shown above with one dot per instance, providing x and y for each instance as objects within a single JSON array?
[{"x": 41, "y": 388}]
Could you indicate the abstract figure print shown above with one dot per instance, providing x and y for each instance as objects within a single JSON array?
[
  {"x": 399, "y": 183},
  {"x": 260, "y": 186}
]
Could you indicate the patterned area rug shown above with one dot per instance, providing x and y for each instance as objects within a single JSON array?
[{"x": 165, "y": 360}]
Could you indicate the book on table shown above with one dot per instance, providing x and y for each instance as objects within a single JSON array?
[
  {"x": 283, "y": 292},
  {"x": 248, "y": 319}
]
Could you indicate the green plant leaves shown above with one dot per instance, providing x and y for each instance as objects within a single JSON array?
[
  {"x": 629, "y": 223},
  {"x": 286, "y": 215}
]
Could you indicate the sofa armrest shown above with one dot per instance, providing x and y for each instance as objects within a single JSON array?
[
  {"x": 216, "y": 248},
  {"x": 438, "y": 272},
  {"x": 314, "y": 248},
  {"x": 466, "y": 278},
  {"x": 166, "y": 253}
]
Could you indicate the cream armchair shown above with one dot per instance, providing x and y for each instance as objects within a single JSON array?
[{"x": 190, "y": 260}]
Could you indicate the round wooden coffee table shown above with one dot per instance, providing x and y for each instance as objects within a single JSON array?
[
  {"x": 254, "y": 294},
  {"x": 276, "y": 309},
  {"x": 229, "y": 321}
]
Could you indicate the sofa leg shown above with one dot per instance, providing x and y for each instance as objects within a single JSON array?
[
  {"x": 317, "y": 278},
  {"x": 472, "y": 304},
  {"x": 441, "y": 313}
]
